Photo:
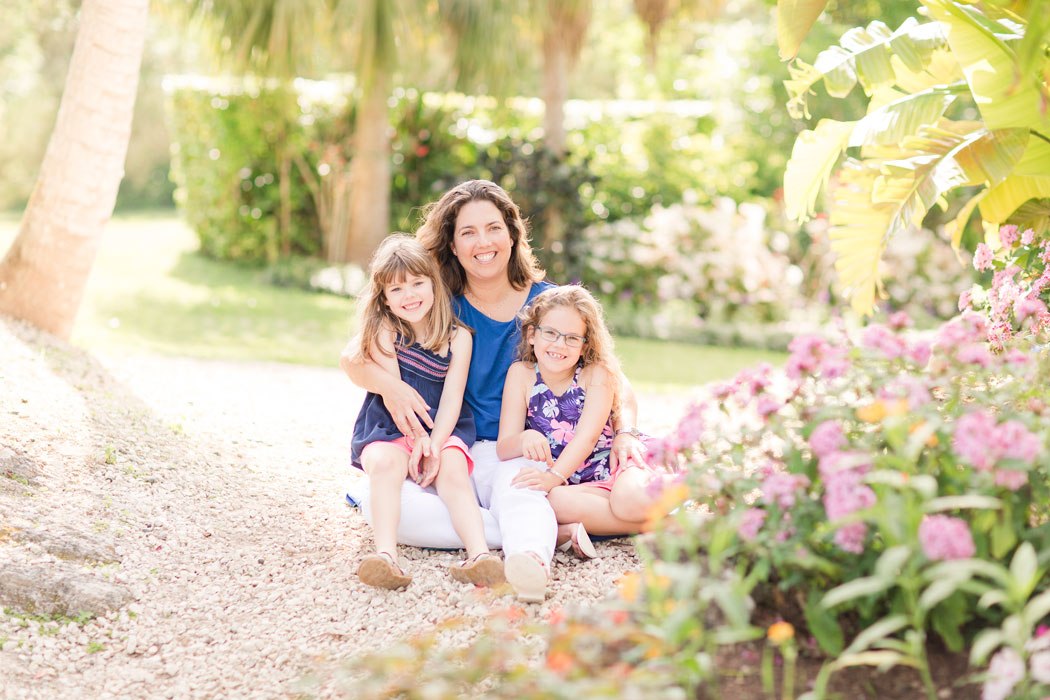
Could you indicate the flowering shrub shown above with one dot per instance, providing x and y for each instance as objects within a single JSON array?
[
  {"x": 694, "y": 253},
  {"x": 1016, "y": 299},
  {"x": 881, "y": 483}
]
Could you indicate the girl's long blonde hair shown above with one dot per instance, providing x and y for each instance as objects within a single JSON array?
[
  {"x": 598, "y": 343},
  {"x": 396, "y": 257}
]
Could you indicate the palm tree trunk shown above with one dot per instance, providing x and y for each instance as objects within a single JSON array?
[
  {"x": 369, "y": 174},
  {"x": 556, "y": 65},
  {"x": 42, "y": 277}
]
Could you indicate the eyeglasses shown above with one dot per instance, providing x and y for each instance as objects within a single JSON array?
[{"x": 551, "y": 336}]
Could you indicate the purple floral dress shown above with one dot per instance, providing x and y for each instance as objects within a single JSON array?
[{"x": 557, "y": 417}]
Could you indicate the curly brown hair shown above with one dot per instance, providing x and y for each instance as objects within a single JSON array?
[
  {"x": 438, "y": 230},
  {"x": 598, "y": 342}
]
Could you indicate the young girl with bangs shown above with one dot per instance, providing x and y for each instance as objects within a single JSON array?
[
  {"x": 564, "y": 391},
  {"x": 408, "y": 329}
]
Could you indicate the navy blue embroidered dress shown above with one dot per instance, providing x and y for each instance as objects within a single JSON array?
[{"x": 424, "y": 371}]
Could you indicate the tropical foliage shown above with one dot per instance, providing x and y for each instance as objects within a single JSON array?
[{"x": 957, "y": 102}]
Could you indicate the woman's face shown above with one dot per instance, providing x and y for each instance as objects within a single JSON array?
[{"x": 481, "y": 241}]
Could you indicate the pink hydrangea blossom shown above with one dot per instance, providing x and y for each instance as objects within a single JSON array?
[
  {"x": 1029, "y": 306},
  {"x": 982, "y": 258},
  {"x": 965, "y": 300},
  {"x": 907, "y": 387},
  {"x": 943, "y": 537},
  {"x": 690, "y": 428},
  {"x": 1027, "y": 237},
  {"x": 974, "y": 437},
  {"x": 751, "y": 522},
  {"x": 1018, "y": 442},
  {"x": 827, "y": 438},
  {"x": 1005, "y": 670},
  {"x": 844, "y": 493},
  {"x": 834, "y": 363},
  {"x": 1009, "y": 236},
  {"x": 780, "y": 489},
  {"x": 767, "y": 406}
]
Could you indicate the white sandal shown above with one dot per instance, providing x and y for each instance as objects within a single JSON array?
[
  {"x": 579, "y": 543},
  {"x": 527, "y": 575}
]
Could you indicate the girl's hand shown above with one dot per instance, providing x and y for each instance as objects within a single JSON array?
[
  {"x": 626, "y": 448},
  {"x": 407, "y": 408},
  {"x": 536, "y": 479},
  {"x": 535, "y": 446},
  {"x": 421, "y": 450}
]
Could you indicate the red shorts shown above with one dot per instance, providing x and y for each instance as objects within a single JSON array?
[{"x": 405, "y": 445}]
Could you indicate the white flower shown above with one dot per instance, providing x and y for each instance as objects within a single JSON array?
[
  {"x": 1004, "y": 671},
  {"x": 1040, "y": 665}
]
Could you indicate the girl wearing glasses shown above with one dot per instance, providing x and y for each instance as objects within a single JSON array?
[{"x": 564, "y": 390}]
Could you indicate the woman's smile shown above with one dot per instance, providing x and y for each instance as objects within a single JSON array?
[{"x": 481, "y": 240}]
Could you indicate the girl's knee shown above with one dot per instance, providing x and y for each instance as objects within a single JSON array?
[
  {"x": 385, "y": 464},
  {"x": 630, "y": 501},
  {"x": 454, "y": 470},
  {"x": 565, "y": 506}
]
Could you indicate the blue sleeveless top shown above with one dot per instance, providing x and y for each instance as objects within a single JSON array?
[
  {"x": 557, "y": 418},
  {"x": 495, "y": 350},
  {"x": 424, "y": 371}
]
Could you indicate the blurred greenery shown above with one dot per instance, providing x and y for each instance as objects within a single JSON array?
[{"x": 152, "y": 291}]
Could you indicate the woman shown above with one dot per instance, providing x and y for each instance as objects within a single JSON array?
[{"x": 477, "y": 235}]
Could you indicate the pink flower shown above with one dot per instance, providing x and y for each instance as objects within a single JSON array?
[
  {"x": 767, "y": 406},
  {"x": 965, "y": 300},
  {"x": 1005, "y": 670},
  {"x": 909, "y": 387},
  {"x": 920, "y": 352},
  {"x": 974, "y": 437},
  {"x": 844, "y": 493},
  {"x": 561, "y": 431},
  {"x": 1017, "y": 442},
  {"x": 974, "y": 354},
  {"x": 780, "y": 489},
  {"x": 900, "y": 320},
  {"x": 1008, "y": 236},
  {"x": 850, "y": 538},
  {"x": 751, "y": 522},
  {"x": 982, "y": 259},
  {"x": 1012, "y": 479},
  {"x": 827, "y": 438},
  {"x": 1027, "y": 237},
  {"x": 943, "y": 537},
  {"x": 881, "y": 338},
  {"x": 690, "y": 428},
  {"x": 1029, "y": 306}
]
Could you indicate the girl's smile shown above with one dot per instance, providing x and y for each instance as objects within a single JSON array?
[
  {"x": 410, "y": 299},
  {"x": 556, "y": 357}
]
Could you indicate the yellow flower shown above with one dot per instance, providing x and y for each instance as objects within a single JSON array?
[
  {"x": 780, "y": 632},
  {"x": 878, "y": 409}
]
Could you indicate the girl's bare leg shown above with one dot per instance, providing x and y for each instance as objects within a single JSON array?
[
  {"x": 387, "y": 468},
  {"x": 456, "y": 490},
  {"x": 632, "y": 498},
  {"x": 590, "y": 505}
]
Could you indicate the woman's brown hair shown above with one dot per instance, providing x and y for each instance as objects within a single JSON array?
[
  {"x": 396, "y": 257},
  {"x": 598, "y": 343},
  {"x": 439, "y": 229}
]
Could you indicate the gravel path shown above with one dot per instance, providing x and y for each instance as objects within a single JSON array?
[{"x": 218, "y": 486}]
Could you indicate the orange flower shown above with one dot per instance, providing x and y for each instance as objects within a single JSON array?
[
  {"x": 780, "y": 632},
  {"x": 556, "y": 616},
  {"x": 669, "y": 499},
  {"x": 629, "y": 585},
  {"x": 931, "y": 441},
  {"x": 511, "y": 614},
  {"x": 560, "y": 661},
  {"x": 617, "y": 617}
]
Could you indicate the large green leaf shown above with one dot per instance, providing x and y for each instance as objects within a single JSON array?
[
  {"x": 892, "y": 122},
  {"x": 1033, "y": 214},
  {"x": 1036, "y": 159},
  {"x": 983, "y": 46},
  {"x": 1003, "y": 199},
  {"x": 864, "y": 55},
  {"x": 900, "y": 192},
  {"x": 794, "y": 20},
  {"x": 813, "y": 157}
]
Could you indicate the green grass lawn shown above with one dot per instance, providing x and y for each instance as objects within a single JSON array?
[{"x": 150, "y": 291}]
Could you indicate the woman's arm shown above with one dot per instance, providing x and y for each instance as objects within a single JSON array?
[
  {"x": 514, "y": 440},
  {"x": 627, "y": 447},
  {"x": 404, "y": 403},
  {"x": 595, "y": 415}
]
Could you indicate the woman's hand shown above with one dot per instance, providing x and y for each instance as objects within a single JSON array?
[
  {"x": 407, "y": 408},
  {"x": 535, "y": 446},
  {"x": 627, "y": 448},
  {"x": 536, "y": 479}
]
